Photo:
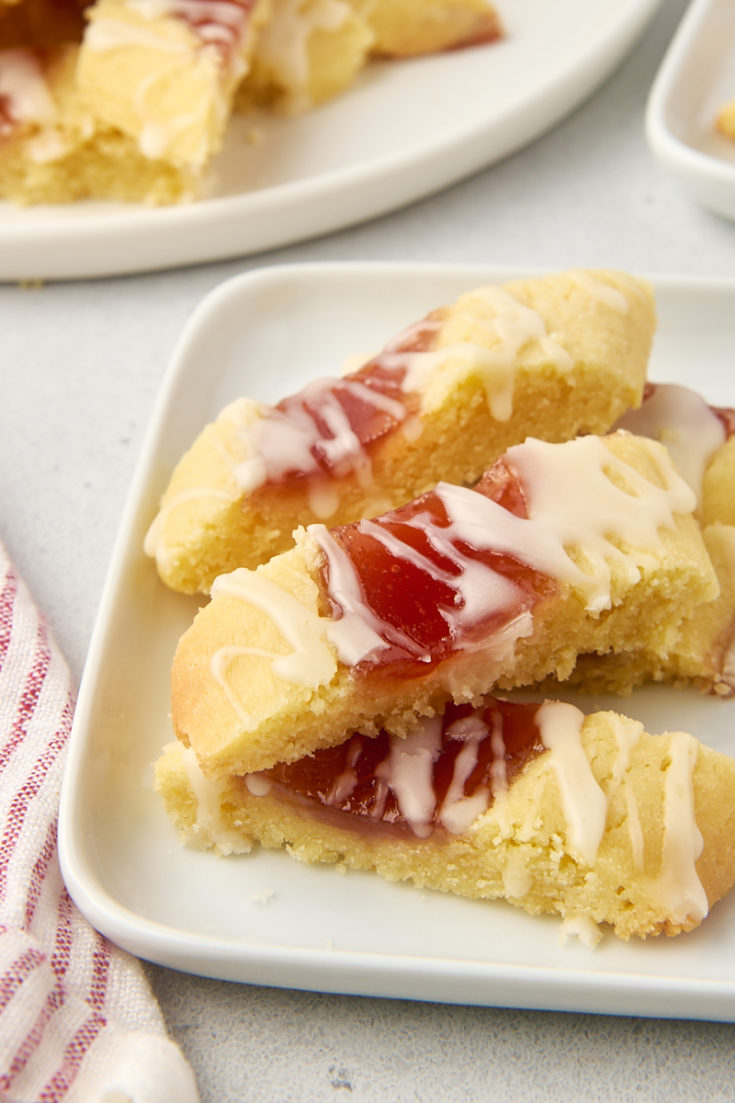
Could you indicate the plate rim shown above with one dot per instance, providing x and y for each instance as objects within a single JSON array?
[{"x": 699, "y": 171}]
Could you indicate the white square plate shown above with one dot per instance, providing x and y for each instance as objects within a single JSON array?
[
  {"x": 403, "y": 131},
  {"x": 265, "y": 918},
  {"x": 696, "y": 79}
]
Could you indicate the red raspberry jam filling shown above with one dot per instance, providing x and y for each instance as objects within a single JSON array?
[
  {"x": 438, "y": 779},
  {"x": 429, "y": 591},
  {"x": 327, "y": 429}
]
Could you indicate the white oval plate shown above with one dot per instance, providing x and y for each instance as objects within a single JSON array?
[
  {"x": 403, "y": 131},
  {"x": 265, "y": 918},
  {"x": 696, "y": 79}
]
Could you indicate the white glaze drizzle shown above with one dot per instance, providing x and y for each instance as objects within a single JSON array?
[
  {"x": 459, "y": 811},
  {"x": 581, "y": 927},
  {"x": 572, "y": 503},
  {"x": 211, "y": 827},
  {"x": 258, "y": 785},
  {"x": 344, "y": 783},
  {"x": 310, "y": 661},
  {"x": 517, "y": 878},
  {"x": 408, "y": 772},
  {"x": 114, "y": 34},
  {"x": 280, "y": 443},
  {"x": 678, "y": 885},
  {"x": 212, "y": 21},
  {"x": 155, "y": 543},
  {"x": 494, "y": 351},
  {"x": 583, "y": 801},
  {"x": 684, "y": 422},
  {"x": 283, "y": 45},
  {"x": 359, "y": 633},
  {"x": 598, "y": 288},
  {"x": 24, "y": 90}
]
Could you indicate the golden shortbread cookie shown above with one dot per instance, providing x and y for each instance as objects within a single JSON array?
[
  {"x": 550, "y": 357},
  {"x": 601, "y": 823},
  {"x": 561, "y": 550}
]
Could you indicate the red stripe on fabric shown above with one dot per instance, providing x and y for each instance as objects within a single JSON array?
[
  {"x": 7, "y": 604},
  {"x": 29, "y": 790},
  {"x": 18, "y": 972},
  {"x": 29, "y": 698},
  {"x": 40, "y": 871},
  {"x": 101, "y": 973},
  {"x": 53, "y": 1002},
  {"x": 63, "y": 938},
  {"x": 75, "y": 1053},
  {"x": 57, "y": 1087},
  {"x": 59, "y": 963}
]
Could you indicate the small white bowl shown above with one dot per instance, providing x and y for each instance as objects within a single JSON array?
[{"x": 695, "y": 80}]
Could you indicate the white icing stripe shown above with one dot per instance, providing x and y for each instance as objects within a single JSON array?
[
  {"x": 682, "y": 421},
  {"x": 635, "y": 828},
  {"x": 213, "y": 22},
  {"x": 678, "y": 886},
  {"x": 584, "y": 802},
  {"x": 283, "y": 46},
  {"x": 104, "y": 35},
  {"x": 612, "y": 297},
  {"x": 221, "y": 11},
  {"x": 497, "y": 343},
  {"x": 459, "y": 811},
  {"x": 356, "y": 634},
  {"x": 408, "y": 772},
  {"x": 573, "y": 501},
  {"x": 154, "y": 543},
  {"x": 210, "y": 826},
  {"x": 24, "y": 90},
  {"x": 311, "y": 661},
  {"x": 207, "y": 18},
  {"x": 280, "y": 443}
]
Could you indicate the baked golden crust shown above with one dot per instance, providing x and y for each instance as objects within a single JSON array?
[
  {"x": 718, "y": 499},
  {"x": 256, "y": 678},
  {"x": 406, "y": 28},
  {"x": 549, "y": 357},
  {"x": 657, "y": 858}
]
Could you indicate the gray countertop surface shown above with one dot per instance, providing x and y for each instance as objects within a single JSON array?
[{"x": 81, "y": 367}]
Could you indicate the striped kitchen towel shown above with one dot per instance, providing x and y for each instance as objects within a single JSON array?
[{"x": 78, "y": 1020}]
